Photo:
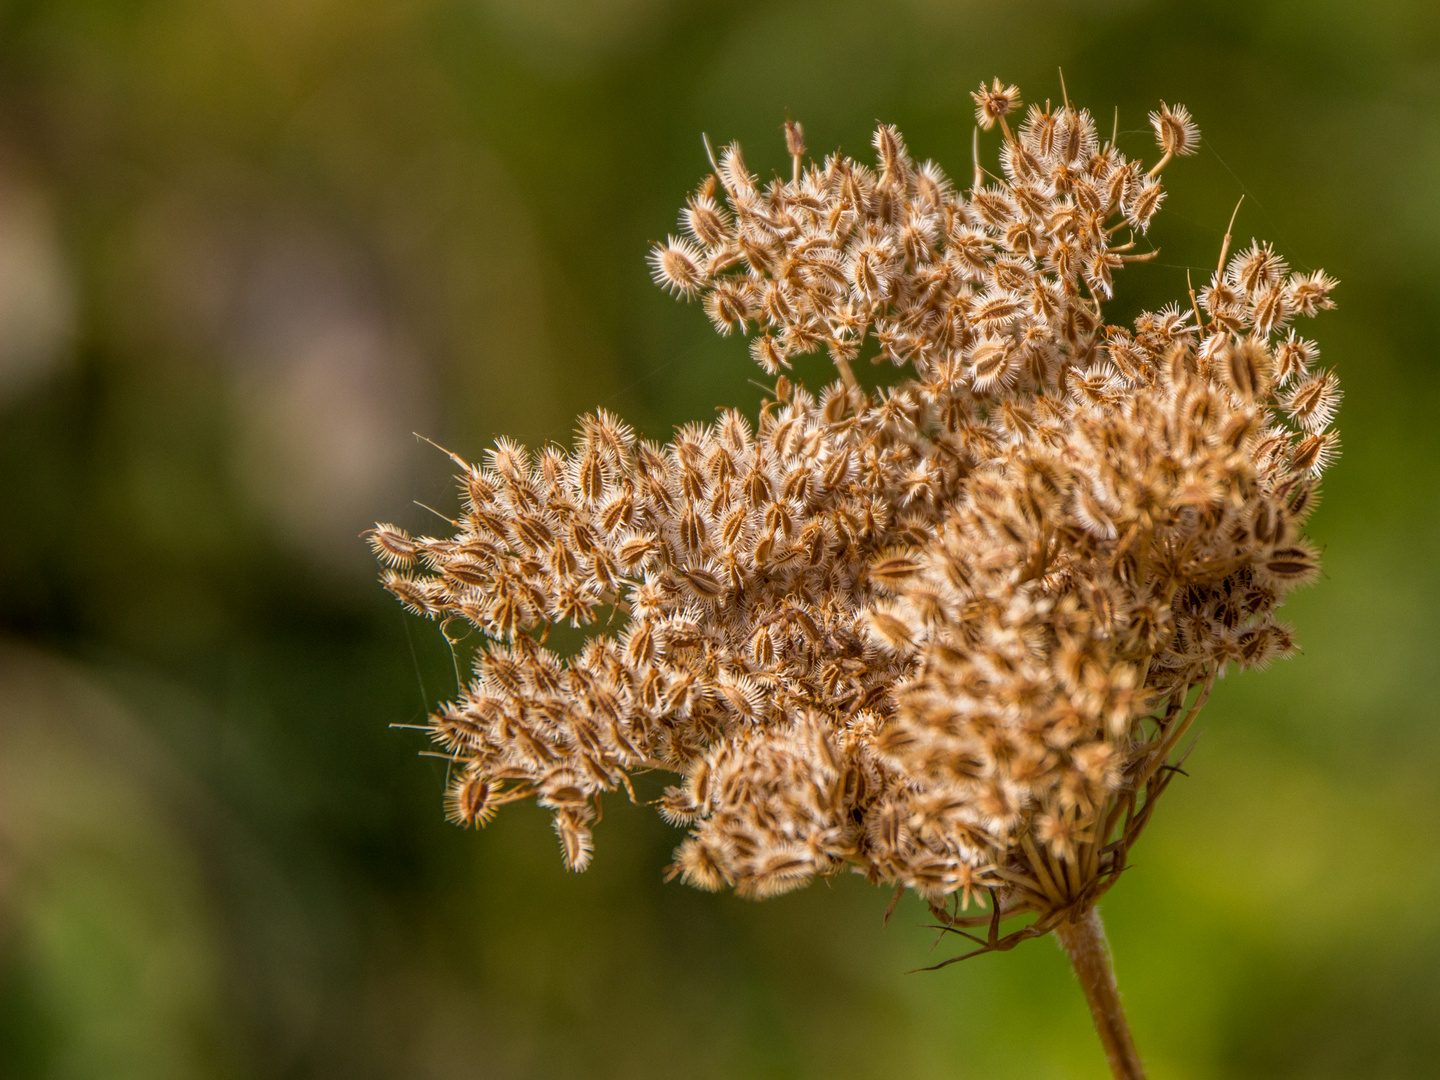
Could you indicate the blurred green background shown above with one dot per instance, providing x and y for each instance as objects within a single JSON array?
[{"x": 248, "y": 246}]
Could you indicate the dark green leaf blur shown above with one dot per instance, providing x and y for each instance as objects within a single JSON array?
[{"x": 247, "y": 247}]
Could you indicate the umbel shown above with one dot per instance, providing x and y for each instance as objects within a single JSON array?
[{"x": 949, "y": 634}]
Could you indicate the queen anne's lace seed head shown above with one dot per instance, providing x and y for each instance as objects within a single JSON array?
[{"x": 950, "y": 633}]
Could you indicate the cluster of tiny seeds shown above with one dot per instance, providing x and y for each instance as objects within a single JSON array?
[
  {"x": 949, "y": 633},
  {"x": 735, "y": 559}
]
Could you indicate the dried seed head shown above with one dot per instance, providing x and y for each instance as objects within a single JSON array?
[
  {"x": 949, "y": 632},
  {"x": 994, "y": 103}
]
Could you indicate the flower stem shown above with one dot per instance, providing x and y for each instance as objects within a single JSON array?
[{"x": 1083, "y": 940}]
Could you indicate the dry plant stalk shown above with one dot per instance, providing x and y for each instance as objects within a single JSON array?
[{"x": 950, "y": 633}]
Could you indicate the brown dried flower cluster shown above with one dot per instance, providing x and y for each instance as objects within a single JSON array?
[{"x": 950, "y": 633}]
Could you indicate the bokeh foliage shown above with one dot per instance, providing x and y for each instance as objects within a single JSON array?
[{"x": 247, "y": 247}]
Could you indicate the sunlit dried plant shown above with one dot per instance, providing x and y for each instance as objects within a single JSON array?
[{"x": 950, "y": 633}]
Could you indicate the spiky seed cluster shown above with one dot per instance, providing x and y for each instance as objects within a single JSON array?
[
  {"x": 948, "y": 633},
  {"x": 995, "y": 103}
]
